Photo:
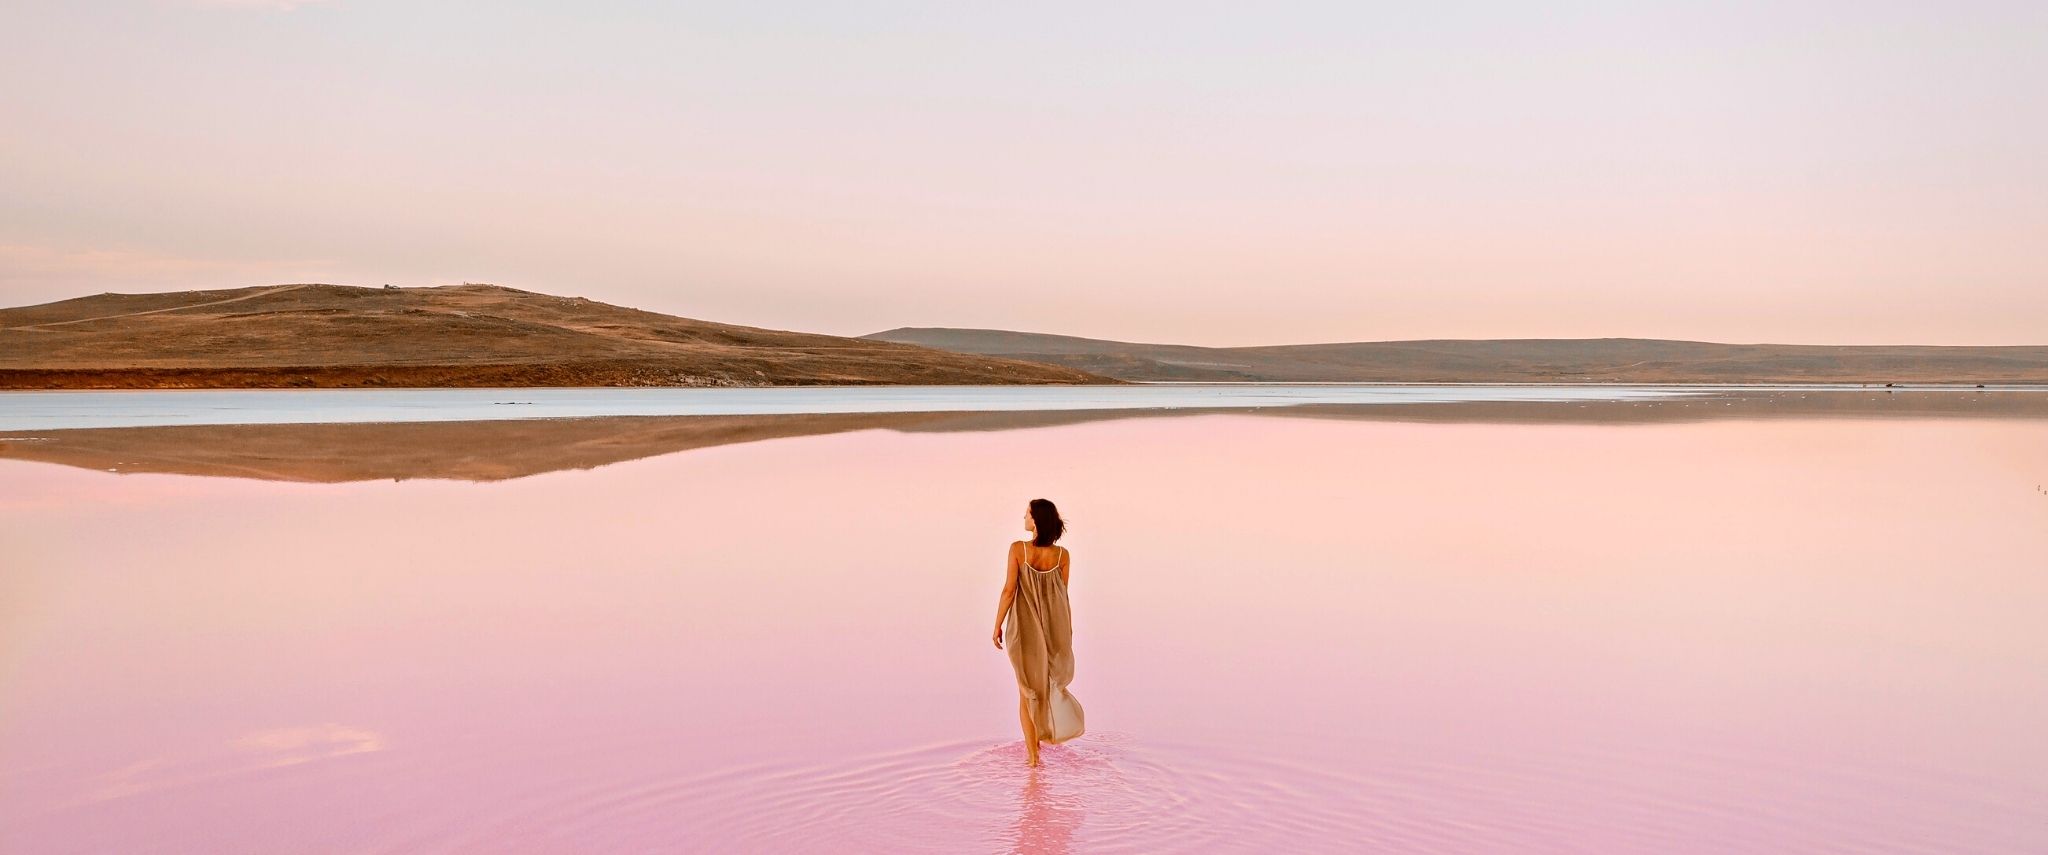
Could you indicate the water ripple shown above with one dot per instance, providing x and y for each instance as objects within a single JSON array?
[{"x": 1115, "y": 793}]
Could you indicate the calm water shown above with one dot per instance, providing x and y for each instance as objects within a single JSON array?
[{"x": 1292, "y": 635}]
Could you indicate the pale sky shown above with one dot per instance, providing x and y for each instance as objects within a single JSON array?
[{"x": 1255, "y": 173}]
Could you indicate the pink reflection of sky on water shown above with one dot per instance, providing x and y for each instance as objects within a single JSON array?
[{"x": 1291, "y": 633}]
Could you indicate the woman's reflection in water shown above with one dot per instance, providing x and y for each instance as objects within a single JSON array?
[{"x": 1046, "y": 817}]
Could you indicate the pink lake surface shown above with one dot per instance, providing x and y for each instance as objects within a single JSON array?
[{"x": 1292, "y": 635}]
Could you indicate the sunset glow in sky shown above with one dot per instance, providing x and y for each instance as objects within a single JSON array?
[{"x": 1823, "y": 172}]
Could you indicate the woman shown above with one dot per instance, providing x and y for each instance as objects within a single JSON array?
[{"x": 1040, "y": 630}]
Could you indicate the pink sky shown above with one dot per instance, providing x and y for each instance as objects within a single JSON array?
[{"x": 1791, "y": 172}]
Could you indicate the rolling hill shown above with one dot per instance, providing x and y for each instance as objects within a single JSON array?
[
  {"x": 462, "y": 335},
  {"x": 1605, "y": 360}
]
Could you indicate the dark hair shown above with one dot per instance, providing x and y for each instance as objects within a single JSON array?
[{"x": 1047, "y": 519}]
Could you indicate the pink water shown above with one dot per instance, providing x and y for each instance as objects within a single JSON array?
[{"x": 1292, "y": 635}]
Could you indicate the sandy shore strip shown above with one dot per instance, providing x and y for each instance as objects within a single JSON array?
[{"x": 69, "y": 410}]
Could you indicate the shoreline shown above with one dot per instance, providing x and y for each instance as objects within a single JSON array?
[
  {"x": 102, "y": 408},
  {"x": 502, "y": 449},
  {"x": 1822, "y": 385},
  {"x": 431, "y": 377},
  {"x": 36, "y": 411}
]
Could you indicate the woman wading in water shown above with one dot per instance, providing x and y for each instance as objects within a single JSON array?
[{"x": 1032, "y": 614}]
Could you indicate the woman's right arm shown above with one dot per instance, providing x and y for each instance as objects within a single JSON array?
[{"x": 1009, "y": 594}]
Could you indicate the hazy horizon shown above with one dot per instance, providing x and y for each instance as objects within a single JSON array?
[{"x": 1811, "y": 173}]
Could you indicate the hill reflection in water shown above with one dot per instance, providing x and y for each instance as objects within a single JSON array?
[{"x": 501, "y": 450}]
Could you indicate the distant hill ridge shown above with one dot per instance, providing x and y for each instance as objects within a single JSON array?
[
  {"x": 317, "y": 335},
  {"x": 1601, "y": 360},
  {"x": 460, "y": 335}
]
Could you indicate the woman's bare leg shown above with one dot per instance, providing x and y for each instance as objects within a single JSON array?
[{"x": 1030, "y": 730}]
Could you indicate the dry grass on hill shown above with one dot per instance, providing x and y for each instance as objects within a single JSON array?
[{"x": 465, "y": 335}]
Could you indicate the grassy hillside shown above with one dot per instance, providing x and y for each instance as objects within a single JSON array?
[{"x": 466, "y": 335}]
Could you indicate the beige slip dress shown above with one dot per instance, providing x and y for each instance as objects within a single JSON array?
[{"x": 1039, "y": 633}]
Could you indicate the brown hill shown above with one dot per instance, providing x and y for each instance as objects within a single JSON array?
[
  {"x": 1604, "y": 360},
  {"x": 464, "y": 335}
]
